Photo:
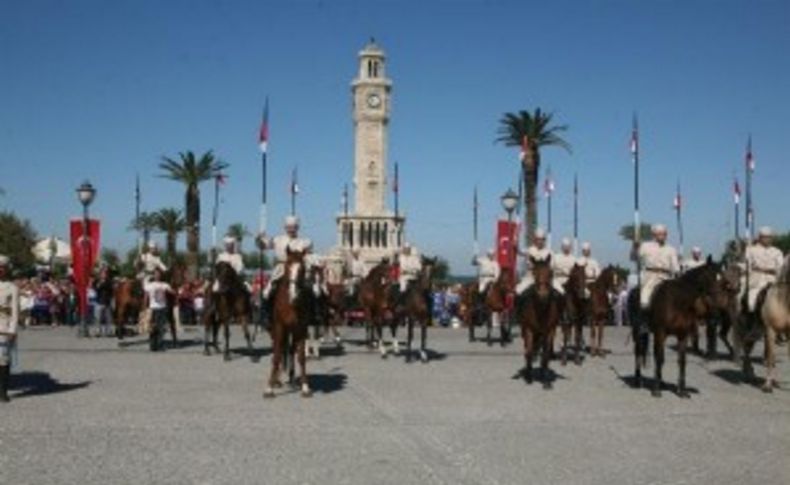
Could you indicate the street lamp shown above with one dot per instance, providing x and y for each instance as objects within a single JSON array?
[
  {"x": 509, "y": 201},
  {"x": 85, "y": 194}
]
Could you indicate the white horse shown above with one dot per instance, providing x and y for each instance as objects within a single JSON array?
[{"x": 775, "y": 314}]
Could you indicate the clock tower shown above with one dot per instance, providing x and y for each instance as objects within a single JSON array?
[{"x": 371, "y": 228}]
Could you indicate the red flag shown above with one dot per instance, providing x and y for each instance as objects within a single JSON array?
[
  {"x": 736, "y": 192},
  {"x": 524, "y": 146},
  {"x": 749, "y": 157},
  {"x": 263, "y": 135},
  {"x": 677, "y": 201},
  {"x": 84, "y": 254}
]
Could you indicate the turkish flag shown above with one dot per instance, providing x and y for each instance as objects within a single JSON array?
[
  {"x": 507, "y": 239},
  {"x": 84, "y": 254}
]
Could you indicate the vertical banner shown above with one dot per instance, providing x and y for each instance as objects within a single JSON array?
[
  {"x": 84, "y": 254},
  {"x": 507, "y": 239}
]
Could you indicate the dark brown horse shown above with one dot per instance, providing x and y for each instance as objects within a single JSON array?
[
  {"x": 290, "y": 314},
  {"x": 675, "y": 308},
  {"x": 374, "y": 300},
  {"x": 416, "y": 308},
  {"x": 600, "y": 307},
  {"x": 496, "y": 307},
  {"x": 575, "y": 312},
  {"x": 336, "y": 309},
  {"x": 230, "y": 302},
  {"x": 539, "y": 314},
  {"x": 469, "y": 307},
  {"x": 128, "y": 304}
]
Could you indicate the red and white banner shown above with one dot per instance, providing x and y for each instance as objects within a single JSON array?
[
  {"x": 84, "y": 254},
  {"x": 507, "y": 239}
]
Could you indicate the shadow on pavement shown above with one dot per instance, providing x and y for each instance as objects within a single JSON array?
[
  {"x": 327, "y": 383},
  {"x": 737, "y": 377},
  {"x": 40, "y": 383}
]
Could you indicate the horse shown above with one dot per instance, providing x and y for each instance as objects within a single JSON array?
[
  {"x": 374, "y": 300},
  {"x": 336, "y": 308},
  {"x": 320, "y": 318},
  {"x": 675, "y": 308},
  {"x": 469, "y": 308},
  {"x": 495, "y": 304},
  {"x": 575, "y": 312},
  {"x": 775, "y": 315},
  {"x": 231, "y": 301},
  {"x": 539, "y": 313},
  {"x": 600, "y": 307},
  {"x": 416, "y": 307},
  {"x": 128, "y": 296},
  {"x": 290, "y": 313},
  {"x": 728, "y": 308}
]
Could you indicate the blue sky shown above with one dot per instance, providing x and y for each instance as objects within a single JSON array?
[{"x": 101, "y": 90}]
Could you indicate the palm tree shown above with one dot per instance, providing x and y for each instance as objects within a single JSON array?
[
  {"x": 537, "y": 128},
  {"x": 145, "y": 224},
  {"x": 170, "y": 221},
  {"x": 192, "y": 171},
  {"x": 238, "y": 231}
]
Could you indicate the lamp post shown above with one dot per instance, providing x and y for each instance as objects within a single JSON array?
[
  {"x": 509, "y": 202},
  {"x": 85, "y": 193}
]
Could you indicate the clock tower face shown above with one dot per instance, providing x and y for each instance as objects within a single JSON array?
[{"x": 371, "y": 92}]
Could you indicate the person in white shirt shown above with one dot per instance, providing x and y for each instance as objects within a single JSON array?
[
  {"x": 695, "y": 261},
  {"x": 156, "y": 292},
  {"x": 561, "y": 264},
  {"x": 150, "y": 261},
  {"x": 763, "y": 262},
  {"x": 9, "y": 320},
  {"x": 357, "y": 271},
  {"x": 488, "y": 271},
  {"x": 537, "y": 251},
  {"x": 659, "y": 262},
  {"x": 592, "y": 270},
  {"x": 231, "y": 255}
]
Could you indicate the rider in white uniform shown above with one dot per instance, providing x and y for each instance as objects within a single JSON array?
[
  {"x": 231, "y": 256},
  {"x": 357, "y": 270},
  {"x": 763, "y": 263},
  {"x": 149, "y": 262},
  {"x": 488, "y": 271},
  {"x": 695, "y": 261},
  {"x": 659, "y": 262},
  {"x": 279, "y": 244},
  {"x": 538, "y": 252},
  {"x": 592, "y": 270},
  {"x": 561, "y": 264},
  {"x": 410, "y": 267}
]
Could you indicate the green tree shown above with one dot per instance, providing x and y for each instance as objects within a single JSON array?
[
  {"x": 539, "y": 132},
  {"x": 782, "y": 241},
  {"x": 645, "y": 233},
  {"x": 170, "y": 221},
  {"x": 17, "y": 238},
  {"x": 238, "y": 231},
  {"x": 145, "y": 224},
  {"x": 111, "y": 258},
  {"x": 191, "y": 171},
  {"x": 441, "y": 271}
]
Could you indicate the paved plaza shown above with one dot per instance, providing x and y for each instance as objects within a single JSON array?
[{"x": 86, "y": 411}]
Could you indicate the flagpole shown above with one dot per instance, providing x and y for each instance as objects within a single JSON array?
[
  {"x": 749, "y": 207},
  {"x": 137, "y": 215},
  {"x": 476, "y": 247},
  {"x": 678, "y": 211},
  {"x": 294, "y": 190},
  {"x": 575, "y": 214},
  {"x": 637, "y": 226},
  {"x": 548, "y": 192},
  {"x": 396, "y": 190},
  {"x": 736, "y": 200},
  {"x": 214, "y": 218}
]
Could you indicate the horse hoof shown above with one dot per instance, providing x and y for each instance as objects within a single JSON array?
[
  {"x": 684, "y": 394},
  {"x": 226, "y": 358},
  {"x": 268, "y": 393},
  {"x": 206, "y": 352},
  {"x": 424, "y": 357},
  {"x": 306, "y": 392},
  {"x": 577, "y": 361}
]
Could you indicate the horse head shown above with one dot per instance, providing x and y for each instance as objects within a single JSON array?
[
  {"x": 225, "y": 276},
  {"x": 294, "y": 271},
  {"x": 577, "y": 280},
  {"x": 541, "y": 274}
]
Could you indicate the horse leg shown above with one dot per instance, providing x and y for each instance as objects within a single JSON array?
[
  {"x": 577, "y": 334},
  {"x": 409, "y": 337},
  {"x": 226, "y": 328},
  {"x": 545, "y": 355},
  {"x": 277, "y": 351},
  {"x": 724, "y": 332},
  {"x": 394, "y": 333},
  {"x": 471, "y": 320},
  {"x": 658, "y": 357},
  {"x": 770, "y": 358},
  {"x": 493, "y": 317},
  {"x": 748, "y": 345},
  {"x": 528, "y": 345},
  {"x": 682, "y": 344},
  {"x": 295, "y": 352},
  {"x": 710, "y": 339},
  {"x": 423, "y": 341},
  {"x": 380, "y": 336},
  {"x": 566, "y": 330},
  {"x": 174, "y": 332},
  {"x": 302, "y": 356},
  {"x": 207, "y": 323}
]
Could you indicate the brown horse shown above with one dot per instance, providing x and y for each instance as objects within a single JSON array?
[
  {"x": 496, "y": 306},
  {"x": 675, "y": 308},
  {"x": 290, "y": 313},
  {"x": 128, "y": 296},
  {"x": 374, "y": 300},
  {"x": 416, "y": 308},
  {"x": 336, "y": 309},
  {"x": 539, "y": 314},
  {"x": 575, "y": 312},
  {"x": 469, "y": 307},
  {"x": 600, "y": 307},
  {"x": 231, "y": 301}
]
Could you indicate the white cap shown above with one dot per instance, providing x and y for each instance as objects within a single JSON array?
[
  {"x": 658, "y": 228},
  {"x": 152, "y": 245},
  {"x": 291, "y": 221},
  {"x": 696, "y": 250},
  {"x": 490, "y": 252},
  {"x": 566, "y": 243},
  {"x": 765, "y": 231},
  {"x": 4, "y": 261},
  {"x": 229, "y": 240},
  {"x": 586, "y": 246},
  {"x": 540, "y": 233},
  {"x": 406, "y": 246}
]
